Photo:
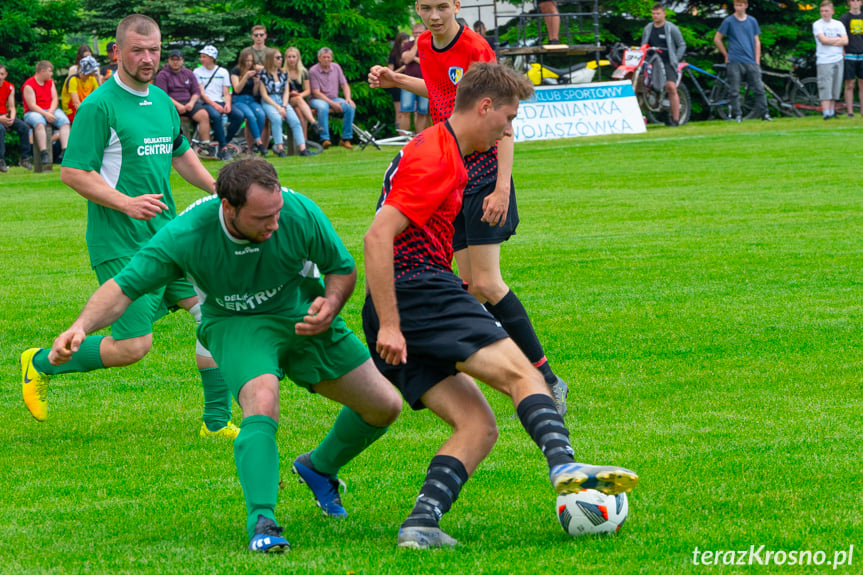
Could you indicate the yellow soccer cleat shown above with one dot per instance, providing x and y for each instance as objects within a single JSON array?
[
  {"x": 34, "y": 386},
  {"x": 230, "y": 431}
]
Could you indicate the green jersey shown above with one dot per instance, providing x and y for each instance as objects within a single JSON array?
[
  {"x": 238, "y": 277},
  {"x": 130, "y": 138}
]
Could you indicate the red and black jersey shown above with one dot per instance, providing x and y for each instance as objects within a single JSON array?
[
  {"x": 425, "y": 182},
  {"x": 442, "y": 71}
]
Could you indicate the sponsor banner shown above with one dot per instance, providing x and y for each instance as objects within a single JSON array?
[{"x": 579, "y": 110}]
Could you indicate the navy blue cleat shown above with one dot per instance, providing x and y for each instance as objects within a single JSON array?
[
  {"x": 324, "y": 488},
  {"x": 609, "y": 479},
  {"x": 268, "y": 537}
]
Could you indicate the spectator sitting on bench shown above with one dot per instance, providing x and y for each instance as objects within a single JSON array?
[
  {"x": 325, "y": 78},
  {"x": 8, "y": 120},
  {"x": 215, "y": 84},
  {"x": 42, "y": 107},
  {"x": 182, "y": 87},
  {"x": 274, "y": 98},
  {"x": 300, "y": 90},
  {"x": 79, "y": 86}
]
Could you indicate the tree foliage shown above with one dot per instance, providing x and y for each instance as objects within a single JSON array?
[
  {"x": 33, "y": 30},
  {"x": 188, "y": 25}
]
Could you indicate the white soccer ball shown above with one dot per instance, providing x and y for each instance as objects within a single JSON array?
[{"x": 591, "y": 512}]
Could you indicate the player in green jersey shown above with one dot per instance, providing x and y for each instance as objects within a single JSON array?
[
  {"x": 122, "y": 148},
  {"x": 249, "y": 252}
]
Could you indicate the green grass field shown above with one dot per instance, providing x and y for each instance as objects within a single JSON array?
[{"x": 699, "y": 288}]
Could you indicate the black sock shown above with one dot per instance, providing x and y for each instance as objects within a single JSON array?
[
  {"x": 511, "y": 314},
  {"x": 545, "y": 425},
  {"x": 443, "y": 482}
]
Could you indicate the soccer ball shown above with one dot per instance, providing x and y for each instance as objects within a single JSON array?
[{"x": 590, "y": 512}]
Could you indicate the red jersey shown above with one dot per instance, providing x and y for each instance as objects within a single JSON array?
[
  {"x": 6, "y": 88},
  {"x": 442, "y": 71},
  {"x": 43, "y": 93},
  {"x": 425, "y": 182},
  {"x": 444, "y": 68}
]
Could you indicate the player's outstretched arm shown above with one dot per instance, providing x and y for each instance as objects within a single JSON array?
[
  {"x": 193, "y": 171},
  {"x": 337, "y": 289},
  {"x": 92, "y": 186},
  {"x": 105, "y": 306},
  {"x": 383, "y": 77},
  {"x": 378, "y": 250}
]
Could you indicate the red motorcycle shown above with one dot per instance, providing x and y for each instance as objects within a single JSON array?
[{"x": 643, "y": 66}]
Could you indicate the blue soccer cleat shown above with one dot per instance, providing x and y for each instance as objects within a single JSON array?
[
  {"x": 609, "y": 479},
  {"x": 268, "y": 537},
  {"x": 324, "y": 488}
]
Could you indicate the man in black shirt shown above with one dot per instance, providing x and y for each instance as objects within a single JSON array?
[{"x": 666, "y": 36}]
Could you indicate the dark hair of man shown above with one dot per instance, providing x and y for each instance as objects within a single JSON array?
[
  {"x": 3, "y": 66},
  {"x": 137, "y": 23},
  {"x": 236, "y": 177},
  {"x": 658, "y": 6},
  {"x": 485, "y": 80}
]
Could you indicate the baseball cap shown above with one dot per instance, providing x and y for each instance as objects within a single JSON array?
[
  {"x": 109, "y": 48},
  {"x": 88, "y": 65},
  {"x": 175, "y": 53},
  {"x": 210, "y": 51}
]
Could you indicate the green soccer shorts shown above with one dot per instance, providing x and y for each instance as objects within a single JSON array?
[{"x": 247, "y": 346}]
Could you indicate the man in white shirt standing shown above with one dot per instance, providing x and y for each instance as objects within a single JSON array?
[
  {"x": 830, "y": 37},
  {"x": 215, "y": 84}
]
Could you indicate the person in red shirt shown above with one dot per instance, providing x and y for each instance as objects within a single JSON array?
[
  {"x": 42, "y": 107},
  {"x": 489, "y": 214},
  {"x": 9, "y": 121},
  {"x": 427, "y": 334}
]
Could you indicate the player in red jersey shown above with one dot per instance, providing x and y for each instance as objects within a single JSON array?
[
  {"x": 489, "y": 214},
  {"x": 427, "y": 334}
]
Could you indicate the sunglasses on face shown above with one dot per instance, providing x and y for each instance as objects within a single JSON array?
[{"x": 258, "y": 35}]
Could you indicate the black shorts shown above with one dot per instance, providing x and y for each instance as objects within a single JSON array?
[
  {"x": 442, "y": 324},
  {"x": 670, "y": 71},
  {"x": 198, "y": 105},
  {"x": 470, "y": 230},
  {"x": 853, "y": 68}
]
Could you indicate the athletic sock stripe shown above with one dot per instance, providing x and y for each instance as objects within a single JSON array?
[
  {"x": 440, "y": 486},
  {"x": 529, "y": 420},
  {"x": 451, "y": 473}
]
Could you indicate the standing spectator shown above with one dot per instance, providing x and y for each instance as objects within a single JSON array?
[
  {"x": 325, "y": 78},
  {"x": 743, "y": 57},
  {"x": 830, "y": 37},
  {"x": 394, "y": 62},
  {"x": 300, "y": 90},
  {"x": 9, "y": 120},
  {"x": 182, "y": 87},
  {"x": 41, "y": 107},
  {"x": 274, "y": 98},
  {"x": 108, "y": 69},
  {"x": 552, "y": 21},
  {"x": 215, "y": 84},
  {"x": 853, "y": 22},
  {"x": 79, "y": 86},
  {"x": 666, "y": 37},
  {"x": 246, "y": 82},
  {"x": 259, "y": 46},
  {"x": 410, "y": 102}
]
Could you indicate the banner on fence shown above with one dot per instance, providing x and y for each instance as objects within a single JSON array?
[{"x": 579, "y": 110}]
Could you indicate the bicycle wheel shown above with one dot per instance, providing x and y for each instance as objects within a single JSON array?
[
  {"x": 804, "y": 98},
  {"x": 685, "y": 105},
  {"x": 719, "y": 101}
]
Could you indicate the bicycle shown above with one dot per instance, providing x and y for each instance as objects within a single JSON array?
[
  {"x": 799, "y": 97},
  {"x": 717, "y": 100}
]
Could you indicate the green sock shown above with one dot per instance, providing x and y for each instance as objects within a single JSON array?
[
  {"x": 87, "y": 358},
  {"x": 349, "y": 436},
  {"x": 257, "y": 458},
  {"x": 217, "y": 399}
]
